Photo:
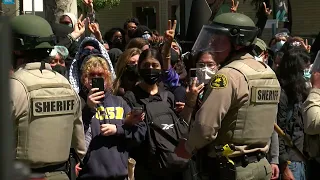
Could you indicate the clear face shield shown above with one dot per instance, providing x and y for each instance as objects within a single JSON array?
[
  {"x": 211, "y": 38},
  {"x": 316, "y": 64}
]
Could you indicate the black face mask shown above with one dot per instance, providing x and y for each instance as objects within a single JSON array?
[
  {"x": 116, "y": 42},
  {"x": 60, "y": 69},
  {"x": 131, "y": 33},
  {"x": 150, "y": 76},
  {"x": 131, "y": 73}
]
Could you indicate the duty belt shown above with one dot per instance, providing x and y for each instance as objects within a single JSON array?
[
  {"x": 51, "y": 168},
  {"x": 223, "y": 152},
  {"x": 246, "y": 159}
]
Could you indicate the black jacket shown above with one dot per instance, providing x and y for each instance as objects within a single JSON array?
[{"x": 290, "y": 119}]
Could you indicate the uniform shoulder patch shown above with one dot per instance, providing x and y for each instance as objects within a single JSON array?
[{"x": 219, "y": 81}]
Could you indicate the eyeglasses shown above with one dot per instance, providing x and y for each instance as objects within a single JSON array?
[
  {"x": 282, "y": 34},
  {"x": 206, "y": 64}
]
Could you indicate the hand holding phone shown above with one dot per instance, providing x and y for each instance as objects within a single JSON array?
[
  {"x": 137, "y": 111},
  {"x": 95, "y": 97},
  {"x": 135, "y": 116},
  {"x": 96, "y": 94}
]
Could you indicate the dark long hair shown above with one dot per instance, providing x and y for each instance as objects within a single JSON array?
[
  {"x": 109, "y": 34},
  {"x": 290, "y": 74},
  {"x": 150, "y": 53}
]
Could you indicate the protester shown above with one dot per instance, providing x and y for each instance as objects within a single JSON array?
[
  {"x": 115, "y": 38},
  {"x": 57, "y": 59},
  {"x": 127, "y": 71},
  {"x": 139, "y": 43},
  {"x": 164, "y": 87},
  {"x": 111, "y": 133},
  {"x": 294, "y": 93}
]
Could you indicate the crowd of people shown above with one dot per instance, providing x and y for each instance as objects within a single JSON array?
[{"x": 133, "y": 93}]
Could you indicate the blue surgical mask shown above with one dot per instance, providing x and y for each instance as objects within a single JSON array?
[
  {"x": 146, "y": 36},
  {"x": 277, "y": 46},
  {"x": 307, "y": 74}
]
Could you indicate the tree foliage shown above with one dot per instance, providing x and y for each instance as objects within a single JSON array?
[{"x": 100, "y": 4}]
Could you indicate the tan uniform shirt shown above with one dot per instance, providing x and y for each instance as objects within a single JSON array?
[
  {"x": 311, "y": 121},
  {"x": 312, "y": 112},
  {"x": 219, "y": 102},
  {"x": 20, "y": 107}
]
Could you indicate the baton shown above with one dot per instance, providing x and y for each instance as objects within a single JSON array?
[
  {"x": 288, "y": 140},
  {"x": 164, "y": 134}
]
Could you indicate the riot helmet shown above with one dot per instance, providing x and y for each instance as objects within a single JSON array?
[
  {"x": 238, "y": 28},
  {"x": 31, "y": 32}
]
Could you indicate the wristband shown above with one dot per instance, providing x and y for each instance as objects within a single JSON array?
[{"x": 71, "y": 38}]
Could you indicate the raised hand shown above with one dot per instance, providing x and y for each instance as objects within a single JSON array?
[
  {"x": 88, "y": 2},
  {"x": 79, "y": 28},
  {"x": 234, "y": 7},
  {"x": 94, "y": 28},
  {"x": 268, "y": 11},
  {"x": 306, "y": 45},
  {"x": 169, "y": 34}
]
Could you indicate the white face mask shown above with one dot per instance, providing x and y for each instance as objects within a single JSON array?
[{"x": 205, "y": 74}]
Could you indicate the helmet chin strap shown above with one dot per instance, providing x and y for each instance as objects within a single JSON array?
[
  {"x": 42, "y": 66},
  {"x": 228, "y": 59}
]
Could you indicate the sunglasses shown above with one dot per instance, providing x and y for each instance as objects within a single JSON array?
[
  {"x": 90, "y": 51},
  {"x": 96, "y": 74}
]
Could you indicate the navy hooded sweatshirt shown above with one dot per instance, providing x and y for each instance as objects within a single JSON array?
[{"x": 107, "y": 156}]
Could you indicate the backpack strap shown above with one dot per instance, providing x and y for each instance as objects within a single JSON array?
[{"x": 164, "y": 96}]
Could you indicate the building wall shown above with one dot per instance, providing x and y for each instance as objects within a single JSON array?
[
  {"x": 115, "y": 17},
  {"x": 10, "y": 10},
  {"x": 306, "y": 19}
]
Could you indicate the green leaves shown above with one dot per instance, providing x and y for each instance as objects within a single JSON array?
[{"x": 100, "y": 4}]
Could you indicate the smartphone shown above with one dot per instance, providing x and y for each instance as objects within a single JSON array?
[
  {"x": 92, "y": 17},
  {"x": 98, "y": 82},
  {"x": 137, "y": 110},
  {"x": 193, "y": 74}
]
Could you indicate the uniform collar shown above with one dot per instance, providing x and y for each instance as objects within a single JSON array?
[
  {"x": 35, "y": 65},
  {"x": 242, "y": 56},
  {"x": 238, "y": 56}
]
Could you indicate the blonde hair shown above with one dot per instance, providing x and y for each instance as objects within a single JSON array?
[
  {"x": 121, "y": 65},
  {"x": 93, "y": 63}
]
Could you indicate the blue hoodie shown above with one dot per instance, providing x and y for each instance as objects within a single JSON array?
[{"x": 107, "y": 156}]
